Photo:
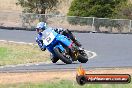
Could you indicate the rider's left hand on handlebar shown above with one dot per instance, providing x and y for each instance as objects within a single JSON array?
[{"x": 43, "y": 49}]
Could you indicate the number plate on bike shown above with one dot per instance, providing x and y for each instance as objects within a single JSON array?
[{"x": 48, "y": 39}]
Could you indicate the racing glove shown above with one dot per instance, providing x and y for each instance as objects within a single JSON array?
[
  {"x": 40, "y": 43},
  {"x": 43, "y": 49}
]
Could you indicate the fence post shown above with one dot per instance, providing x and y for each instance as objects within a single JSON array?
[
  {"x": 130, "y": 25},
  {"x": 93, "y": 24},
  {"x": 23, "y": 19}
]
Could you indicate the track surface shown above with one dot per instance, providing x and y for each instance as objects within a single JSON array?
[{"x": 113, "y": 50}]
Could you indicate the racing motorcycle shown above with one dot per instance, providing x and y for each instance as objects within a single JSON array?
[{"x": 62, "y": 47}]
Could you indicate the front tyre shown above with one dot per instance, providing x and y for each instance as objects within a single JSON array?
[
  {"x": 53, "y": 59},
  {"x": 83, "y": 57},
  {"x": 63, "y": 56}
]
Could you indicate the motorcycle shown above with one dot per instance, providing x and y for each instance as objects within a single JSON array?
[{"x": 62, "y": 47}]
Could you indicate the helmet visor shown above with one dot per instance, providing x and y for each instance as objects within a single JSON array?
[{"x": 37, "y": 29}]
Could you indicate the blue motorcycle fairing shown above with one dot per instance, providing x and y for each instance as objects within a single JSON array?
[
  {"x": 60, "y": 47},
  {"x": 58, "y": 42}
]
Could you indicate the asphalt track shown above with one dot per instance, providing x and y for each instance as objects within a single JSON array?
[{"x": 113, "y": 50}]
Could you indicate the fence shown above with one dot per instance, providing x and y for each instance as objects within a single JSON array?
[{"x": 29, "y": 20}]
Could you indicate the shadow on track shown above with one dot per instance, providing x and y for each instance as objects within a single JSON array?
[{"x": 66, "y": 64}]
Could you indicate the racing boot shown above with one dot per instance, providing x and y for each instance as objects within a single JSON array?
[{"x": 77, "y": 42}]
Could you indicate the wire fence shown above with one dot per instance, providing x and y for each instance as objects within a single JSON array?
[{"x": 29, "y": 20}]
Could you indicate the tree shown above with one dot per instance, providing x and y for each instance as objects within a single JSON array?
[
  {"x": 94, "y": 8},
  {"x": 37, "y": 6},
  {"x": 125, "y": 12}
]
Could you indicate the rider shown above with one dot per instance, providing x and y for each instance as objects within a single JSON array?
[{"x": 41, "y": 26}]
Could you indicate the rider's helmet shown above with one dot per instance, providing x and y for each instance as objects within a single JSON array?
[{"x": 41, "y": 26}]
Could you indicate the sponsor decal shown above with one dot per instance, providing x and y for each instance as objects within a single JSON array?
[{"x": 83, "y": 78}]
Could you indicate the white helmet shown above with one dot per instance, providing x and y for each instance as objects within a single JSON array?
[{"x": 41, "y": 25}]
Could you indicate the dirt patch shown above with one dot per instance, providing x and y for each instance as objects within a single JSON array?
[
  {"x": 34, "y": 77},
  {"x": 9, "y": 78}
]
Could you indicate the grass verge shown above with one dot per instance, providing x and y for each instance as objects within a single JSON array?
[
  {"x": 58, "y": 79},
  {"x": 11, "y": 53},
  {"x": 64, "y": 84}
]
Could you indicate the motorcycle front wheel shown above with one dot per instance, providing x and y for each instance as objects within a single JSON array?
[
  {"x": 53, "y": 59},
  {"x": 63, "y": 56}
]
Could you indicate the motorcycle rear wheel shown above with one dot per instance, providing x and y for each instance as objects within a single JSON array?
[
  {"x": 83, "y": 57},
  {"x": 65, "y": 58}
]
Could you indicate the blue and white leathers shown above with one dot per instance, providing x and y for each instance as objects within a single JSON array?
[{"x": 52, "y": 39}]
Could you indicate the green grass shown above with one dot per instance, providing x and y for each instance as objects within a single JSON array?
[
  {"x": 3, "y": 52},
  {"x": 21, "y": 54},
  {"x": 64, "y": 84}
]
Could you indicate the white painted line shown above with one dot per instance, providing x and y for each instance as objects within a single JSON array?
[
  {"x": 37, "y": 64},
  {"x": 93, "y": 54},
  {"x": 3, "y": 41},
  {"x": 12, "y": 66},
  {"x": 17, "y": 42},
  {"x": 26, "y": 65}
]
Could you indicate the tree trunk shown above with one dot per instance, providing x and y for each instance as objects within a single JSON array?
[
  {"x": 42, "y": 11},
  {"x": 42, "y": 16}
]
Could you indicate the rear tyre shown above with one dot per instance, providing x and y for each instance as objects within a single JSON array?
[
  {"x": 63, "y": 56},
  {"x": 83, "y": 57}
]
